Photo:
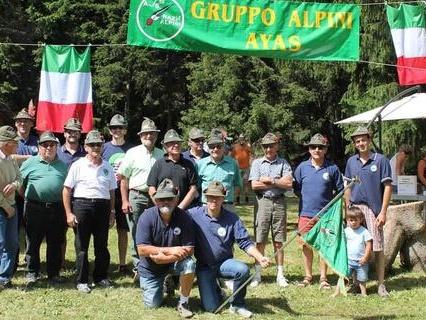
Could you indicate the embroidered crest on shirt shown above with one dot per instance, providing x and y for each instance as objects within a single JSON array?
[
  {"x": 373, "y": 168},
  {"x": 177, "y": 231},
  {"x": 326, "y": 176},
  {"x": 221, "y": 232}
]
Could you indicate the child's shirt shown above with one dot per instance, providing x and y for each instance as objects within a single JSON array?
[{"x": 355, "y": 239}]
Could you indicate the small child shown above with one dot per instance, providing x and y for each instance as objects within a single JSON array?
[{"x": 359, "y": 244}]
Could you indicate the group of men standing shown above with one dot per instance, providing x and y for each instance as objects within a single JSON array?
[{"x": 174, "y": 204}]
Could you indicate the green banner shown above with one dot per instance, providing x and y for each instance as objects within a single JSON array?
[{"x": 265, "y": 28}]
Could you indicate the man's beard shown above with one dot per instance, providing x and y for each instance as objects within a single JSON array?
[{"x": 166, "y": 210}]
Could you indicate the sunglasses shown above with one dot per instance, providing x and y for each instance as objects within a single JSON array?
[
  {"x": 93, "y": 145},
  {"x": 266, "y": 146},
  {"x": 316, "y": 147},
  {"x": 48, "y": 144},
  {"x": 215, "y": 146},
  {"x": 198, "y": 140},
  {"x": 72, "y": 131},
  {"x": 116, "y": 128}
]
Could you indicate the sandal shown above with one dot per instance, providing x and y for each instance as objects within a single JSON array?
[
  {"x": 307, "y": 281},
  {"x": 324, "y": 285}
]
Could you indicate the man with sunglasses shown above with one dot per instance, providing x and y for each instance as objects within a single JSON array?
[
  {"x": 218, "y": 167},
  {"x": 114, "y": 152},
  {"x": 195, "y": 143},
  {"x": 92, "y": 212},
  {"x": 71, "y": 150},
  {"x": 270, "y": 176},
  {"x": 10, "y": 181},
  {"x": 44, "y": 177},
  {"x": 316, "y": 180}
]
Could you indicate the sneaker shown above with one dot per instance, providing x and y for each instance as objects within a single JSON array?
[
  {"x": 184, "y": 311},
  {"x": 382, "y": 292},
  {"x": 257, "y": 279},
  {"x": 241, "y": 311},
  {"x": 229, "y": 284},
  {"x": 104, "y": 283},
  {"x": 31, "y": 280},
  {"x": 282, "y": 281},
  {"x": 83, "y": 287},
  {"x": 169, "y": 286}
]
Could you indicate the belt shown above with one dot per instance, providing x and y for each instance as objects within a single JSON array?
[
  {"x": 91, "y": 200},
  {"x": 140, "y": 192},
  {"x": 45, "y": 204}
]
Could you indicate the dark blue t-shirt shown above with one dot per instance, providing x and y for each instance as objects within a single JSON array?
[
  {"x": 316, "y": 186},
  {"x": 373, "y": 174},
  {"x": 151, "y": 230},
  {"x": 66, "y": 157},
  {"x": 115, "y": 154},
  {"x": 215, "y": 238}
]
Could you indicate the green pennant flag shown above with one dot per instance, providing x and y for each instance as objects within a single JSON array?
[{"x": 328, "y": 238}]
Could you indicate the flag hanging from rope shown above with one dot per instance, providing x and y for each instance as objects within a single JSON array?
[
  {"x": 408, "y": 28},
  {"x": 65, "y": 89},
  {"x": 328, "y": 238}
]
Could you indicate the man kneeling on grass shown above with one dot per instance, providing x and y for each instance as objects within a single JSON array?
[
  {"x": 165, "y": 243},
  {"x": 216, "y": 231}
]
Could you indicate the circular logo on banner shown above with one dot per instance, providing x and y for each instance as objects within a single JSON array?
[
  {"x": 160, "y": 20},
  {"x": 373, "y": 168},
  {"x": 221, "y": 231},
  {"x": 177, "y": 231},
  {"x": 326, "y": 176}
]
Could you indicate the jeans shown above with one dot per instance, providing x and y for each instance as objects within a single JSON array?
[
  {"x": 152, "y": 288},
  {"x": 9, "y": 245},
  {"x": 92, "y": 219},
  {"x": 139, "y": 202},
  {"x": 210, "y": 291},
  {"x": 44, "y": 221},
  {"x": 361, "y": 271}
]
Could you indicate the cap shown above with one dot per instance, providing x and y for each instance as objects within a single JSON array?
[
  {"x": 166, "y": 189},
  {"x": 47, "y": 136},
  {"x": 269, "y": 138},
  {"x": 171, "y": 136},
  {"x": 216, "y": 137},
  {"x": 118, "y": 121},
  {"x": 196, "y": 133},
  {"x": 317, "y": 140},
  {"x": 73, "y": 124},
  {"x": 23, "y": 114},
  {"x": 7, "y": 133},
  {"x": 148, "y": 126},
  {"x": 361, "y": 131},
  {"x": 93, "y": 136},
  {"x": 215, "y": 188}
]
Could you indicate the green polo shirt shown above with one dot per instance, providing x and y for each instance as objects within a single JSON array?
[
  {"x": 43, "y": 181},
  {"x": 226, "y": 172}
]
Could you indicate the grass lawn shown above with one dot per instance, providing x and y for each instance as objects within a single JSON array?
[{"x": 407, "y": 301}]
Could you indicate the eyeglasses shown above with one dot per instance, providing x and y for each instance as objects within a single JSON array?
[
  {"x": 266, "y": 146},
  {"x": 72, "y": 131},
  {"x": 215, "y": 146},
  {"x": 94, "y": 145},
  {"x": 316, "y": 147},
  {"x": 197, "y": 140},
  {"x": 116, "y": 128},
  {"x": 48, "y": 144}
]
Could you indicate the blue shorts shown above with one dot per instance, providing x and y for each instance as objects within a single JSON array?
[
  {"x": 361, "y": 271},
  {"x": 152, "y": 288}
]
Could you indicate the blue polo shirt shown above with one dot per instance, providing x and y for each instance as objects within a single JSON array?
[
  {"x": 66, "y": 157},
  {"x": 188, "y": 155},
  {"x": 151, "y": 230},
  {"x": 215, "y": 238},
  {"x": 29, "y": 146},
  {"x": 316, "y": 186},
  {"x": 226, "y": 171},
  {"x": 373, "y": 174}
]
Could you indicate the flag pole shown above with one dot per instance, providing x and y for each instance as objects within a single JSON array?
[{"x": 291, "y": 238}]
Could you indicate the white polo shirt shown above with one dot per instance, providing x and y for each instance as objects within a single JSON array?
[{"x": 89, "y": 180}]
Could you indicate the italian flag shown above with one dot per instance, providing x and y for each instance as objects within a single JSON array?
[
  {"x": 65, "y": 89},
  {"x": 408, "y": 28}
]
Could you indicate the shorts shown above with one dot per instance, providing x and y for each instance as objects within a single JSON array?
[
  {"x": 304, "y": 225},
  {"x": 370, "y": 224},
  {"x": 361, "y": 271},
  {"x": 120, "y": 216},
  {"x": 271, "y": 214},
  {"x": 152, "y": 288}
]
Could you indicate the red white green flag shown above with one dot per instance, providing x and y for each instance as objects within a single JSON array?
[
  {"x": 408, "y": 28},
  {"x": 65, "y": 89}
]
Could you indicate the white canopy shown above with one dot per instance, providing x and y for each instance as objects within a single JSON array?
[{"x": 411, "y": 107}]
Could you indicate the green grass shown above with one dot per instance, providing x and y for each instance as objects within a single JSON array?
[{"x": 408, "y": 293}]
